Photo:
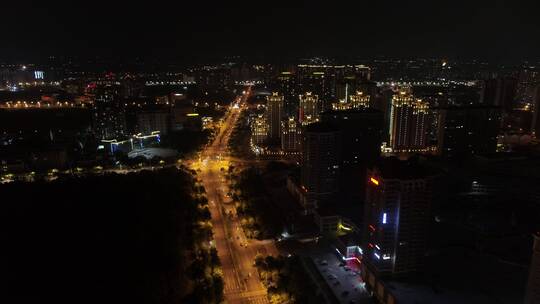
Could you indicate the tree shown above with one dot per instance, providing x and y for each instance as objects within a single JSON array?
[
  {"x": 259, "y": 261},
  {"x": 214, "y": 258}
]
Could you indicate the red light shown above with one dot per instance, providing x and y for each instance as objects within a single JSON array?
[
  {"x": 374, "y": 181},
  {"x": 372, "y": 227},
  {"x": 370, "y": 245}
]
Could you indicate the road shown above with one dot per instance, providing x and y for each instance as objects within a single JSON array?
[{"x": 235, "y": 251}]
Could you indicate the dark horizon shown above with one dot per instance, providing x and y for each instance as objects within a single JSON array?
[{"x": 498, "y": 31}]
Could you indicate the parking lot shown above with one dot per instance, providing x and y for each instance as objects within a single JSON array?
[{"x": 343, "y": 278}]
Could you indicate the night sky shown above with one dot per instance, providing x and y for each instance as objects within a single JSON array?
[{"x": 496, "y": 30}]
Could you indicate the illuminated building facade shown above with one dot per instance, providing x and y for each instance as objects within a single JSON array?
[
  {"x": 532, "y": 295},
  {"x": 284, "y": 83},
  {"x": 341, "y": 106},
  {"x": 356, "y": 101},
  {"x": 321, "y": 160},
  {"x": 136, "y": 142},
  {"x": 528, "y": 80},
  {"x": 185, "y": 117},
  {"x": 317, "y": 80},
  {"x": 331, "y": 82},
  {"x": 150, "y": 121},
  {"x": 259, "y": 130},
  {"x": 409, "y": 122},
  {"x": 291, "y": 135},
  {"x": 359, "y": 100},
  {"x": 108, "y": 117},
  {"x": 397, "y": 217},
  {"x": 274, "y": 112},
  {"x": 309, "y": 108}
]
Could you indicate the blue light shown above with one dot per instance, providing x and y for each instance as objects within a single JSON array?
[{"x": 384, "y": 218}]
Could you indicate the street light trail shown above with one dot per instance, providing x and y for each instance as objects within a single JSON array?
[{"x": 236, "y": 252}]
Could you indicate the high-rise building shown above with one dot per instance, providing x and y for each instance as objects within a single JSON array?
[
  {"x": 344, "y": 89},
  {"x": 383, "y": 103},
  {"x": 468, "y": 130},
  {"x": 259, "y": 130},
  {"x": 362, "y": 73},
  {"x": 150, "y": 121},
  {"x": 535, "y": 124},
  {"x": 311, "y": 78},
  {"x": 108, "y": 117},
  {"x": 355, "y": 101},
  {"x": 367, "y": 87},
  {"x": 341, "y": 106},
  {"x": 291, "y": 135},
  {"x": 409, "y": 122},
  {"x": 349, "y": 79},
  {"x": 397, "y": 216},
  {"x": 309, "y": 108},
  {"x": 532, "y": 295},
  {"x": 528, "y": 80},
  {"x": 130, "y": 86},
  {"x": 500, "y": 92},
  {"x": 361, "y": 133},
  {"x": 321, "y": 162},
  {"x": 360, "y": 100},
  {"x": 331, "y": 82},
  {"x": 274, "y": 113},
  {"x": 185, "y": 117},
  {"x": 361, "y": 136},
  {"x": 284, "y": 83},
  {"x": 319, "y": 79}
]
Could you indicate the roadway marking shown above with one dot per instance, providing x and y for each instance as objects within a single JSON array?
[{"x": 235, "y": 290}]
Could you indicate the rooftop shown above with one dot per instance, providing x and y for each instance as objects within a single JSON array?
[
  {"x": 351, "y": 111},
  {"x": 321, "y": 127},
  {"x": 392, "y": 167}
]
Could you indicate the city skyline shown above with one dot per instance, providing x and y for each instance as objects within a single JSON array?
[{"x": 271, "y": 152}]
